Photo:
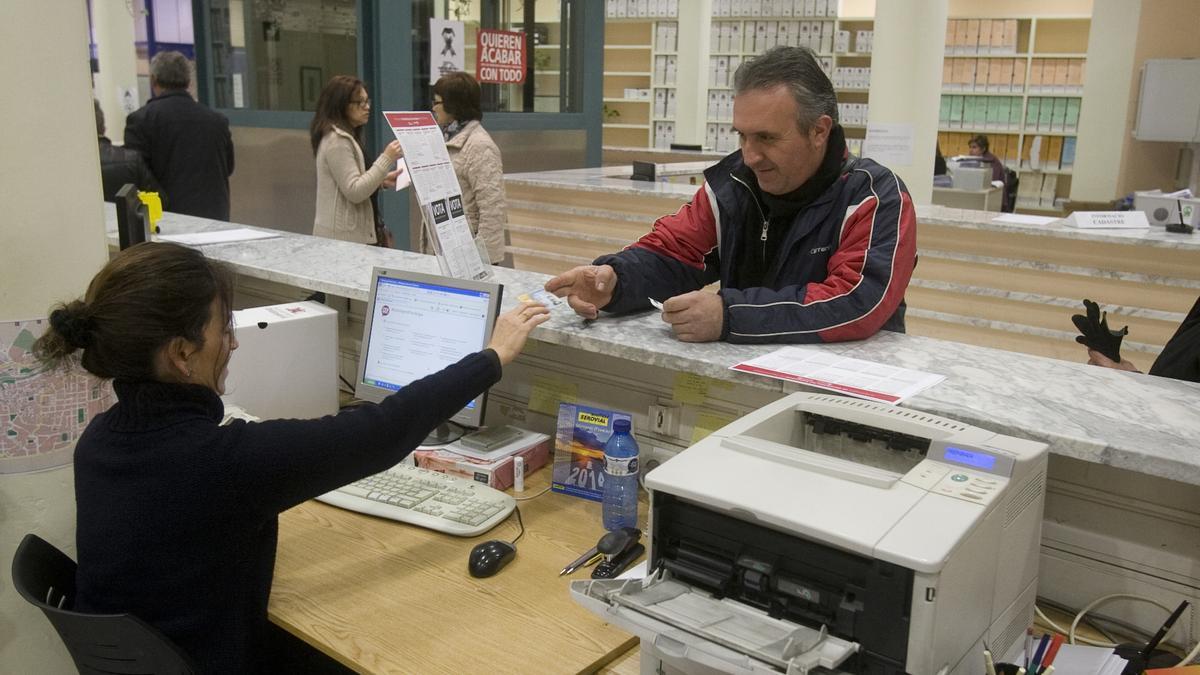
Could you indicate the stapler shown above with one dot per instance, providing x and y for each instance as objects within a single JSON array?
[{"x": 620, "y": 548}]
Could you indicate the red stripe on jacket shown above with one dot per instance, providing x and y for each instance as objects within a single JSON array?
[
  {"x": 688, "y": 235},
  {"x": 847, "y": 263}
]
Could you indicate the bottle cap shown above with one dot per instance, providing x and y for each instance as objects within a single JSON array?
[{"x": 621, "y": 426}]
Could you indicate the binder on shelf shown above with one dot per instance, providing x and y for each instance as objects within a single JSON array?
[
  {"x": 985, "y": 36},
  {"x": 998, "y": 34},
  {"x": 971, "y": 44},
  {"x": 1058, "y": 115},
  {"x": 1018, "y": 76},
  {"x": 1045, "y": 114},
  {"x": 1053, "y": 153},
  {"x": 1031, "y": 114},
  {"x": 956, "y": 112},
  {"x": 1071, "y": 117},
  {"x": 1068, "y": 153},
  {"x": 1075, "y": 76},
  {"x": 1036, "y": 70},
  {"x": 981, "y": 75},
  {"x": 1060, "y": 75},
  {"x": 1015, "y": 113}
]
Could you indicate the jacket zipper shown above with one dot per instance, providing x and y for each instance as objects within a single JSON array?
[{"x": 761, "y": 214}]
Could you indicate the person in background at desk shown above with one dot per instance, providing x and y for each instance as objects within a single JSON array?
[
  {"x": 978, "y": 147},
  {"x": 809, "y": 243},
  {"x": 187, "y": 145},
  {"x": 177, "y": 516},
  {"x": 344, "y": 184},
  {"x": 120, "y": 166},
  {"x": 477, "y": 163},
  {"x": 1179, "y": 359},
  {"x": 941, "y": 176}
]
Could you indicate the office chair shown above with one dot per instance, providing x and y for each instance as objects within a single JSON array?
[
  {"x": 100, "y": 644},
  {"x": 1012, "y": 182}
]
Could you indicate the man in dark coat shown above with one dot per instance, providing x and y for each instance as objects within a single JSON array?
[{"x": 186, "y": 144}]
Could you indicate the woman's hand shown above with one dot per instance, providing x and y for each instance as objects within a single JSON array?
[
  {"x": 513, "y": 326},
  {"x": 393, "y": 151}
]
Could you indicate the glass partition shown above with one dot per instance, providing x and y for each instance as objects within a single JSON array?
[
  {"x": 278, "y": 54},
  {"x": 550, "y": 84}
]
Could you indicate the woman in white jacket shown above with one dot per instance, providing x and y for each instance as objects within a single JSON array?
[
  {"x": 344, "y": 184},
  {"x": 476, "y": 161}
]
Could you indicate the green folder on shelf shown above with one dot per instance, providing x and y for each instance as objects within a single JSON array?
[
  {"x": 1031, "y": 114},
  {"x": 1071, "y": 120}
]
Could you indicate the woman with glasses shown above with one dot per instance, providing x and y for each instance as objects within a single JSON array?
[
  {"x": 344, "y": 184},
  {"x": 476, "y": 161}
]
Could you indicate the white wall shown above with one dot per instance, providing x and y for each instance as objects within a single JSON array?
[
  {"x": 112, "y": 28},
  {"x": 51, "y": 243}
]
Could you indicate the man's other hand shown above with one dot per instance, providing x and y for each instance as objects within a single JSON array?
[
  {"x": 698, "y": 316},
  {"x": 587, "y": 288},
  {"x": 1095, "y": 358}
]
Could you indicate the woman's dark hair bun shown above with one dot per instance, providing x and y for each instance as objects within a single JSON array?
[{"x": 73, "y": 325}]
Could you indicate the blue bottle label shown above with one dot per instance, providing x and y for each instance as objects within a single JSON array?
[{"x": 620, "y": 466}]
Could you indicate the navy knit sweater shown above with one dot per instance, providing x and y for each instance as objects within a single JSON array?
[{"x": 177, "y": 516}]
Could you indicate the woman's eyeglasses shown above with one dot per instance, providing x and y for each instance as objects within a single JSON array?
[{"x": 362, "y": 102}]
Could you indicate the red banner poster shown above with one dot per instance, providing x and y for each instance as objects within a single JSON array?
[{"x": 500, "y": 57}]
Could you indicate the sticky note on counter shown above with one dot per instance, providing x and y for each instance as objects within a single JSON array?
[
  {"x": 690, "y": 388},
  {"x": 706, "y": 423},
  {"x": 547, "y": 392}
]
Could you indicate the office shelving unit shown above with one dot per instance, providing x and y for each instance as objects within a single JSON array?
[
  {"x": 639, "y": 42},
  {"x": 1023, "y": 89}
]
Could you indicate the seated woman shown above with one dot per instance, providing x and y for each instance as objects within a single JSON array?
[
  {"x": 177, "y": 515},
  {"x": 476, "y": 161},
  {"x": 978, "y": 147},
  {"x": 344, "y": 184}
]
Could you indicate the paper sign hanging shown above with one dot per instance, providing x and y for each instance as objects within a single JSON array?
[
  {"x": 446, "y": 48},
  {"x": 500, "y": 57},
  {"x": 438, "y": 193}
]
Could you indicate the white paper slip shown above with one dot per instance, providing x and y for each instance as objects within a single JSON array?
[
  {"x": 542, "y": 297},
  {"x": 855, "y": 377},
  {"x": 657, "y": 305},
  {"x": 1019, "y": 219},
  {"x": 218, "y": 237}
]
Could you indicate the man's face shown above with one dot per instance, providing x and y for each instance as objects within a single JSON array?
[{"x": 782, "y": 157}]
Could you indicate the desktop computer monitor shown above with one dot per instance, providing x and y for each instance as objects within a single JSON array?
[{"x": 416, "y": 324}]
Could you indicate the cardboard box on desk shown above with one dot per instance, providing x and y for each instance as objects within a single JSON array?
[{"x": 496, "y": 473}]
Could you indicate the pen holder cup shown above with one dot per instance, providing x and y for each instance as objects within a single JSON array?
[{"x": 1007, "y": 668}]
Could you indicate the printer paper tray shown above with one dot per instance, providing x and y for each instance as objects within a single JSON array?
[{"x": 688, "y": 625}]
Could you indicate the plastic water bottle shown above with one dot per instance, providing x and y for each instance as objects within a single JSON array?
[{"x": 620, "y": 478}]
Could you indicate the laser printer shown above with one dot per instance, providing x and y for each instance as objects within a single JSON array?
[{"x": 823, "y": 533}]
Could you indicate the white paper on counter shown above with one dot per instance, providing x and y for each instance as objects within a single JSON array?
[
  {"x": 218, "y": 237},
  {"x": 855, "y": 377}
]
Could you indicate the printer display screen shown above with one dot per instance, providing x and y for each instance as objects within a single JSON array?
[{"x": 979, "y": 460}]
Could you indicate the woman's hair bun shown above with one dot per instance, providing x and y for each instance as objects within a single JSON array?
[{"x": 73, "y": 325}]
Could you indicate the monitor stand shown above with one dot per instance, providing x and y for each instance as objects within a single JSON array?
[{"x": 446, "y": 432}]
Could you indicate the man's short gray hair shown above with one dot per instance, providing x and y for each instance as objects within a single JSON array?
[
  {"x": 171, "y": 70},
  {"x": 796, "y": 68}
]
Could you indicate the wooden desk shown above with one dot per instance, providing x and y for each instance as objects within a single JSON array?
[{"x": 381, "y": 596}]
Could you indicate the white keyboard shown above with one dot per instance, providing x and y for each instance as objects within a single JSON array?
[{"x": 438, "y": 501}]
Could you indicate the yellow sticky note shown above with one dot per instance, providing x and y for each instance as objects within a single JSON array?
[
  {"x": 690, "y": 388},
  {"x": 706, "y": 423},
  {"x": 546, "y": 393}
]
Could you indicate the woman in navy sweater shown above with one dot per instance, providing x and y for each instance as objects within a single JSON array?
[{"x": 177, "y": 516}]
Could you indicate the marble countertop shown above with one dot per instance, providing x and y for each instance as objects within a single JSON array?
[
  {"x": 1129, "y": 421},
  {"x": 615, "y": 179}
]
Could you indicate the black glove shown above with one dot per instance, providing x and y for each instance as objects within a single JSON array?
[{"x": 1096, "y": 334}]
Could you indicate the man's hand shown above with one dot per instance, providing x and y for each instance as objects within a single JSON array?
[
  {"x": 698, "y": 316},
  {"x": 587, "y": 288},
  {"x": 1095, "y": 358}
]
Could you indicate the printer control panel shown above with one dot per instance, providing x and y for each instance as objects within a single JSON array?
[
  {"x": 970, "y": 486},
  {"x": 953, "y": 481}
]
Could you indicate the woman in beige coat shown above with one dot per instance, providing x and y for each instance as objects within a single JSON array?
[
  {"x": 344, "y": 184},
  {"x": 476, "y": 161}
]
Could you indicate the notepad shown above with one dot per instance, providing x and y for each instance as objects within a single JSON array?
[{"x": 1086, "y": 660}]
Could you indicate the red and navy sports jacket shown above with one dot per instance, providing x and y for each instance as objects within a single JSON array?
[{"x": 840, "y": 274}]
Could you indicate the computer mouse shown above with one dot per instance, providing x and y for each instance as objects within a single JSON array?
[{"x": 490, "y": 557}]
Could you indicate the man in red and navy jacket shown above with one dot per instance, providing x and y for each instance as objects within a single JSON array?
[{"x": 809, "y": 243}]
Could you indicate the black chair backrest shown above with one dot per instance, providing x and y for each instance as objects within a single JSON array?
[
  {"x": 100, "y": 644},
  {"x": 1011, "y": 183}
]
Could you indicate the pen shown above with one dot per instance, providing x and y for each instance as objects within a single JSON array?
[
  {"x": 1036, "y": 664},
  {"x": 1048, "y": 671},
  {"x": 988, "y": 663},
  {"x": 1162, "y": 632},
  {"x": 1028, "y": 646},
  {"x": 1051, "y": 652},
  {"x": 585, "y": 559}
]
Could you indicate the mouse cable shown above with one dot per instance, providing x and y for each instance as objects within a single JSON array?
[
  {"x": 525, "y": 499},
  {"x": 519, "y": 522}
]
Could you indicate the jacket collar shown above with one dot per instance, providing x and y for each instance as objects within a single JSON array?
[
  {"x": 169, "y": 93},
  {"x": 460, "y": 139}
]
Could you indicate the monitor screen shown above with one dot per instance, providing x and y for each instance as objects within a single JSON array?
[{"x": 416, "y": 324}]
